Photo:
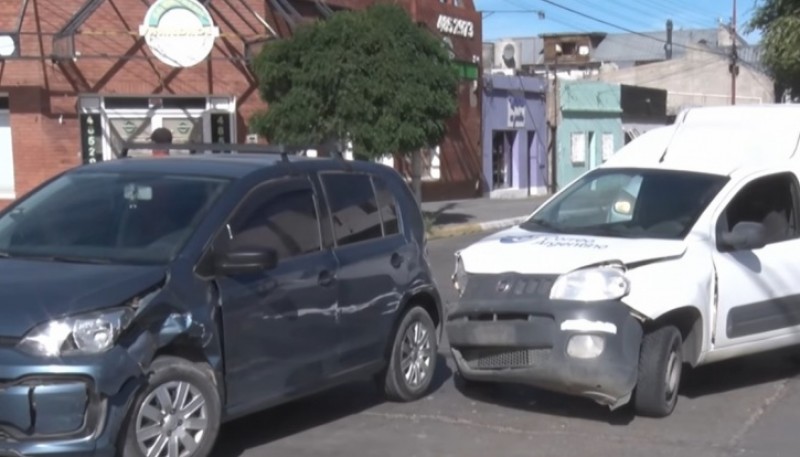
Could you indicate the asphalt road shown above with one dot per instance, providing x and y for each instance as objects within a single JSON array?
[{"x": 747, "y": 408}]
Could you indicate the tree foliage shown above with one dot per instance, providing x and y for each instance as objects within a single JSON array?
[
  {"x": 371, "y": 76},
  {"x": 779, "y": 23}
]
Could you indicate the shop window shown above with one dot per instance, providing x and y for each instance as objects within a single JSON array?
[
  {"x": 578, "y": 146},
  {"x": 129, "y": 129}
]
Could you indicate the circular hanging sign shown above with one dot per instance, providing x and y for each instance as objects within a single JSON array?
[{"x": 180, "y": 33}]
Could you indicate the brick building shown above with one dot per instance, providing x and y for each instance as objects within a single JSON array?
[{"x": 78, "y": 78}]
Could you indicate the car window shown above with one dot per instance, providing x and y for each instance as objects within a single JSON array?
[
  {"x": 388, "y": 207},
  {"x": 353, "y": 206},
  {"x": 277, "y": 217},
  {"x": 629, "y": 203},
  {"x": 110, "y": 217},
  {"x": 770, "y": 200}
]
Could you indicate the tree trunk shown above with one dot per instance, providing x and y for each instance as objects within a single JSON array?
[{"x": 416, "y": 174}]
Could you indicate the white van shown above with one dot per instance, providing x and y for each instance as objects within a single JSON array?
[{"x": 683, "y": 248}]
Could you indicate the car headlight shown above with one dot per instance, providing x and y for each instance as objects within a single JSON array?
[
  {"x": 592, "y": 284},
  {"x": 459, "y": 276},
  {"x": 83, "y": 334}
]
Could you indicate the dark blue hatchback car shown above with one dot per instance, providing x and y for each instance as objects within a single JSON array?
[{"x": 143, "y": 302}]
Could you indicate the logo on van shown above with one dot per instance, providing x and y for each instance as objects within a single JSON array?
[{"x": 180, "y": 33}]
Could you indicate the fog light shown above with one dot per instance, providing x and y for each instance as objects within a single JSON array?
[{"x": 585, "y": 346}]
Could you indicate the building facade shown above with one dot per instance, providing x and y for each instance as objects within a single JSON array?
[
  {"x": 589, "y": 128},
  {"x": 515, "y": 135},
  {"x": 78, "y": 78}
]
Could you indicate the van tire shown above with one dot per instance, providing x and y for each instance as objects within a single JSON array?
[
  {"x": 396, "y": 386},
  {"x": 660, "y": 368},
  {"x": 167, "y": 370}
]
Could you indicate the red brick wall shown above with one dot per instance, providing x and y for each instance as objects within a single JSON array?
[{"x": 43, "y": 94}]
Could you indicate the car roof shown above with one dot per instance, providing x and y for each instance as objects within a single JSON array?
[
  {"x": 231, "y": 166},
  {"x": 719, "y": 140}
]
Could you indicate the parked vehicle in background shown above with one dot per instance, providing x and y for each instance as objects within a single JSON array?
[
  {"x": 144, "y": 302},
  {"x": 680, "y": 250}
]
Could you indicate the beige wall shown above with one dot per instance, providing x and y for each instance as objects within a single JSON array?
[{"x": 698, "y": 79}]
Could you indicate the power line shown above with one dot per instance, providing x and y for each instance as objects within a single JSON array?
[{"x": 626, "y": 29}]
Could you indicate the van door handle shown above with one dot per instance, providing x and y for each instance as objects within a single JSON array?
[
  {"x": 326, "y": 278},
  {"x": 396, "y": 260}
]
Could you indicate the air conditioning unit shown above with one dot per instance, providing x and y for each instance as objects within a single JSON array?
[{"x": 507, "y": 55}]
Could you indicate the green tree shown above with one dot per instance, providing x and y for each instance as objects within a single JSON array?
[
  {"x": 372, "y": 77},
  {"x": 779, "y": 23}
]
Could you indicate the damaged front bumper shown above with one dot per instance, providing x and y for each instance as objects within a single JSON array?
[
  {"x": 584, "y": 349},
  {"x": 65, "y": 407}
]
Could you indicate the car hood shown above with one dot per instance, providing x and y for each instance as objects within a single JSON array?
[
  {"x": 522, "y": 251},
  {"x": 34, "y": 291}
]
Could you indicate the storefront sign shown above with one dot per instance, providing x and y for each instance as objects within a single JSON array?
[
  {"x": 448, "y": 46},
  {"x": 221, "y": 128},
  {"x": 516, "y": 112},
  {"x": 180, "y": 33},
  {"x": 91, "y": 138},
  {"x": 453, "y": 26}
]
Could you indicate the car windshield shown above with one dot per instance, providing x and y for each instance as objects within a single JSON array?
[
  {"x": 629, "y": 204},
  {"x": 108, "y": 217}
]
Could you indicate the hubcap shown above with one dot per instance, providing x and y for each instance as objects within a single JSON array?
[
  {"x": 673, "y": 375},
  {"x": 172, "y": 421},
  {"x": 416, "y": 355}
]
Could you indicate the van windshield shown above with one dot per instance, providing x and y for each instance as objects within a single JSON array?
[
  {"x": 629, "y": 203},
  {"x": 139, "y": 218}
]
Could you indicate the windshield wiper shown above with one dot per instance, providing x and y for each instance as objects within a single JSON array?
[{"x": 542, "y": 224}]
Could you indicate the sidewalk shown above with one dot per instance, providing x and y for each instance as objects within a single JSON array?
[{"x": 462, "y": 217}]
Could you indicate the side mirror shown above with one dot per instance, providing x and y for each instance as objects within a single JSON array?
[
  {"x": 243, "y": 260},
  {"x": 745, "y": 236}
]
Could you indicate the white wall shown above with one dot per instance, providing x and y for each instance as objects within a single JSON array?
[{"x": 6, "y": 158}]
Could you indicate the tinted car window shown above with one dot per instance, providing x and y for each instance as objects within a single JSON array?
[
  {"x": 283, "y": 220},
  {"x": 388, "y": 207},
  {"x": 354, "y": 208},
  {"x": 108, "y": 217}
]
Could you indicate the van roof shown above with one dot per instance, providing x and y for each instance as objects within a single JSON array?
[{"x": 718, "y": 140}]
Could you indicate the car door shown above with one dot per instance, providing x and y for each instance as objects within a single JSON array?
[
  {"x": 280, "y": 333},
  {"x": 758, "y": 289},
  {"x": 373, "y": 258}
]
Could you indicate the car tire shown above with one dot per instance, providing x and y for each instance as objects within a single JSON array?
[
  {"x": 660, "y": 368},
  {"x": 412, "y": 363},
  {"x": 185, "y": 422}
]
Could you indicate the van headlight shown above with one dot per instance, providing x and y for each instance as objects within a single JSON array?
[
  {"x": 92, "y": 333},
  {"x": 592, "y": 284}
]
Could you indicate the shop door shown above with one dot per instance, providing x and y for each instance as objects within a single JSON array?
[{"x": 6, "y": 156}]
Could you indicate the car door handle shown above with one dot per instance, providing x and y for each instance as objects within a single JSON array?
[
  {"x": 396, "y": 260},
  {"x": 326, "y": 278}
]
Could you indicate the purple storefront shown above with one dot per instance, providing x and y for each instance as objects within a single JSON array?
[{"x": 514, "y": 135}]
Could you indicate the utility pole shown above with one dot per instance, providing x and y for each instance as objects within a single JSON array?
[{"x": 734, "y": 66}]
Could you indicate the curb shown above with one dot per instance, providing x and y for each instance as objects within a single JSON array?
[{"x": 452, "y": 230}]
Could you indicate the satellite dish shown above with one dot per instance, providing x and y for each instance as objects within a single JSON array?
[{"x": 508, "y": 55}]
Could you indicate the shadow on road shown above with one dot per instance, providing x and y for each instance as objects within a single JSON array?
[
  {"x": 239, "y": 436},
  {"x": 534, "y": 400},
  {"x": 440, "y": 216},
  {"x": 740, "y": 373}
]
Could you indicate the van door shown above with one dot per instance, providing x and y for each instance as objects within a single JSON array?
[
  {"x": 758, "y": 289},
  {"x": 280, "y": 333},
  {"x": 374, "y": 260}
]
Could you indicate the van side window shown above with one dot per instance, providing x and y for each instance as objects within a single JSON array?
[
  {"x": 285, "y": 220},
  {"x": 388, "y": 207},
  {"x": 353, "y": 207},
  {"x": 770, "y": 200}
]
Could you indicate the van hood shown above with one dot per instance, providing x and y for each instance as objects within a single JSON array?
[
  {"x": 35, "y": 291},
  {"x": 522, "y": 251}
]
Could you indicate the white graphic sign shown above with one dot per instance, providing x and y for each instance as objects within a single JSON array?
[
  {"x": 516, "y": 112},
  {"x": 180, "y": 33},
  {"x": 453, "y": 26}
]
